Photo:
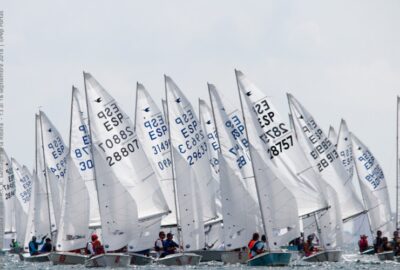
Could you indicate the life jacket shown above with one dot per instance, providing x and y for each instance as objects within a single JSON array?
[
  {"x": 251, "y": 246},
  {"x": 157, "y": 248},
  {"x": 363, "y": 244},
  {"x": 35, "y": 245},
  {"x": 97, "y": 247}
]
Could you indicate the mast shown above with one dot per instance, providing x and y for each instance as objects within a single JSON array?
[
  {"x": 397, "y": 164},
  {"x": 70, "y": 118},
  {"x": 134, "y": 123},
  {"x": 178, "y": 228},
  {"x": 91, "y": 148},
  {"x": 252, "y": 165},
  {"x": 45, "y": 172}
]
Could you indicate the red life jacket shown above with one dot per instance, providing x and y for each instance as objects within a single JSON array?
[
  {"x": 250, "y": 246},
  {"x": 363, "y": 244},
  {"x": 97, "y": 247}
]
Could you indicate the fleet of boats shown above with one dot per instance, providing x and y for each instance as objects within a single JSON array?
[{"x": 213, "y": 178}]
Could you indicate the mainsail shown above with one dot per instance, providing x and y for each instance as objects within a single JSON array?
[
  {"x": 373, "y": 187},
  {"x": 8, "y": 192},
  {"x": 73, "y": 229},
  {"x": 332, "y": 135},
  {"x": 237, "y": 181},
  {"x": 344, "y": 149},
  {"x": 130, "y": 198},
  {"x": 152, "y": 131},
  {"x": 194, "y": 182},
  {"x": 322, "y": 154},
  {"x": 23, "y": 189},
  {"x": 55, "y": 159}
]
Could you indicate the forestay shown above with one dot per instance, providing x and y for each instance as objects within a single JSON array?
[
  {"x": 322, "y": 154},
  {"x": 373, "y": 187},
  {"x": 130, "y": 198},
  {"x": 152, "y": 131},
  {"x": 23, "y": 189},
  {"x": 194, "y": 181},
  {"x": 55, "y": 158}
]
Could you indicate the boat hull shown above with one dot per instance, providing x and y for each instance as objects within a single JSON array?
[
  {"x": 139, "y": 259},
  {"x": 324, "y": 256},
  {"x": 67, "y": 258},
  {"x": 279, "y": 258},
  {"x": 210, "y": 255},
  {"x": 369, "y": 251},
  {"x": 109, "y": 260},
  {"x": 235, "y": 257},
  {"x": 386, "y": 256},
  {"x": 180, "y": 259},
  {"x": 36, "y": 258}
]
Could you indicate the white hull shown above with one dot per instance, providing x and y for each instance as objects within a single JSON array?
[
  {"x": 180, "y": 259},
  {"x": 324, "y": 256},
  {"x": 139, "y": 259},
  {"x": 67, "y": 258},
  {"x": 386, "y": 256},
  {"x": 109, "y": 260},
  {"x": 234, "y": 257},
  {"x": 26, "y": 257},
  {"x": 210, "y": 255}
]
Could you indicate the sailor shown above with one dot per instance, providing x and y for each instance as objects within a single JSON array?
[
  {"x": 95, "y": 247},
  {"x": 363, "y": 243},
  {"x": 14, "y": 244},
  {"x": 386, "y": 246},
  {"x": 378, "y": 241},
  {"x": 47, "y": 247},
  {"x": 159, "y": 244},
  {"x": 309, "y": 246},
  {"x": 255, "y": 246},
  {"x": 396, "y": 243},
  {"x": 169, "y": 245},
  {"x": 34, "y": 246}
]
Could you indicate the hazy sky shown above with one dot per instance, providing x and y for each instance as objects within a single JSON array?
[{"x": 339, "y": 58}]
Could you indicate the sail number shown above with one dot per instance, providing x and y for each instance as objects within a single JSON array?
[
  {"x": 280, "y": 146},
  {"x": 124, "y": 151},
  {"x": 375, "y": 175}
]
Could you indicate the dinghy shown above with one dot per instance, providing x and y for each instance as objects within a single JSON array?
[
  {"x": 271, "y": 259},
  {"x": 386, "y": 256},
  {"x": 128, "y": 192},
  {"x": 140, "y": 259},
  {"x": 180, "y": 259},
  {"x": 26, "y": 257},
  {"x": 69, "y": 258},
  {"x": 325, "y": 256},
  {"x": 112, "y": 260}
]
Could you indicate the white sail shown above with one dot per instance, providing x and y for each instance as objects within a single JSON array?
[
  {"x": 55, "y": 158},
  {"x": 2, "y": 215},
  {"x": 344, "y": 148},
  {"x": 73, "y": 228},
  {"x": 284, "y": 150},
  {"x": 8, "y": 192},
  {"x": 80, "y": 152},
  {"x": 240, "y": 184},
  {"x": 322, "y": 154},
  {"x": 23, "y": 189},
  {"x": 152, "y": 131},
  {"x": 332, "y": 135},
  {"x": 277, "y": 203},
  {"x": 130, "y": 198},
  {"x": 194, "y": 181},
  {"x": 373, "y": 187}
]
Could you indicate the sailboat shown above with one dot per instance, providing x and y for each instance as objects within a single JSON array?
[
  {"x": 23, "y": 188},
  {"x": 8, "y": 198},
  {"x": 314, "y": 199},
  {"x": 41, "y": 219},
  {"x": 129, "y": 195},
  {"x": 78, "y": 207},
  {"x": 374, "y": 190},
  {"x": 193, "y": 180},
  {"x": 153, "y": 134}
]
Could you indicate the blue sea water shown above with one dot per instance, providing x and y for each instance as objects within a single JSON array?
[{"x": 349, "y": 261}]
